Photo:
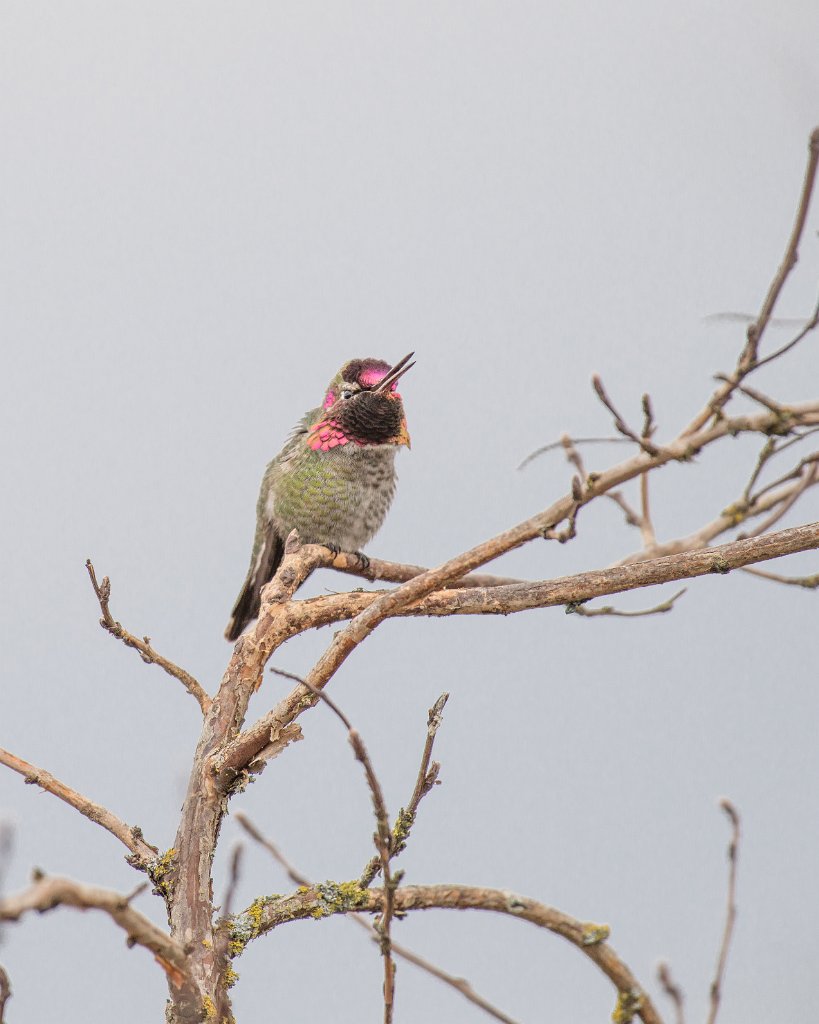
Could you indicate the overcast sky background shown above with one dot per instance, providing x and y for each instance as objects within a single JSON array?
[{"x": 205, "y": 210}]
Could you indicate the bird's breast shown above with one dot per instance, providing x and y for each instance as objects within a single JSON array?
[{"x": 337, "y": 497}]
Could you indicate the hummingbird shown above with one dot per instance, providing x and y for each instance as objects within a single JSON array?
[{"x": 334, "y": 479}]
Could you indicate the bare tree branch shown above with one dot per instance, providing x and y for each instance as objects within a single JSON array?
[
  {"x": 730, "y": 910},
  {"x": 644, "y": 442},
  {"x": 388, "y": 604},
  {"x": 383, "y": 844},
  {"x": 811, "y": 325},
  {"x": 748, "y": 358},
  {"x": 554, "y": 445},
  {"x": 328, "y": 899},
  {"x": 131, "y": 836},
  {"x": 237, "y": 755},
  {"x": 143, "y": 646},
  {"x": 756, "y": 330},
  {"x": 806, "y": 582},
  {"x": 424, "y": 783},
  {"x": 49, "y": 892},
  {"x": 673, "y": 991},
  {"x": 730, "y": 518},
  {"x": 226, "y": 757},
  {"x": 295, "y": 876},
  {"x": 398, "y": 572},
  {"x": 658, "y": 609}
]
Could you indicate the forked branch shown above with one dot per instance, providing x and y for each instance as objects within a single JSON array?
[
  {"x": 143, "y": 646},
  {"x": 131, "y": 836}
]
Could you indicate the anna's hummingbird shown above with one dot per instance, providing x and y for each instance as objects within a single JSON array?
[{"x": 335, "y": 477}]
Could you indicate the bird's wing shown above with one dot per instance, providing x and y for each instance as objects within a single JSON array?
[
  {"x": 268, "y": 544},
  {"x": 262, "y": 569}
]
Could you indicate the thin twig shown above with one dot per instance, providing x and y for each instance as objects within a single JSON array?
[
  {"x": 143, "y": 646},
  {"x": 756, "y": 330},
  {"x": 425, "y": 782},
  {"x": 574, "y": 457},
  {"x": 383, "y": 844},
  {"x": 755, "y": 396},
  {"x": 812, "y": 323},
  {"x": 793, "y": 474},
  {"x": 619, "y": 422},
  {"x": 554, "y": 445},
  {"x": 748, "y": 360},
  {"x": 730, "y": 909},
  {"x": 807, "y": 481},
  {"x": 767, "y": 452},
  {"x": 233, "y": 879},
  {"x": 295, "y": 876},
  {"x": 672, "y": 990},
  {"x": 460, "y": 984},
  {"x": 773, "y": 446},
  {"x": 427, "y": 778},
  {"x": 574, "y": 608},
  {"x": 646, "y": 526},
  {"x": 806, "y": 582},
  {"x": 741, "y": 511},
  {"x": 131, "y": 836}
]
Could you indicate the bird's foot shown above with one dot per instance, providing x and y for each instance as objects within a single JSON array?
[
  {"x": 363, "y": 561},
  {"x": 334, "y": 549}
]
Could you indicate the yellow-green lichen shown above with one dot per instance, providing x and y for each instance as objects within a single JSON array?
[
  {"x": 594, "y": 934},
  {"x": 159, "y": 870},
  {"x": 736, "y": 513},
  {"x": 209, "y": 1008},
  {"x": 247, "y": 926},
  {"x": 628, "y": 1003},
  {"x": 337, "y": 897},
  {"x": 401, "y": 830},
  {"x": 231, "y": 977}
]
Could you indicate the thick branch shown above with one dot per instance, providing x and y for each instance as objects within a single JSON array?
[
  {"x": 295, "y": 876},
  {"x": 388, "y": 604},
  {"x": 591, "y": 939},
  {"x": 188, "y": 881},
  {"x": 127, "y": 834},
  {"x": 399, "y": 572},
  {"x": 512, "y": 598},
  {"x": 47, "y": 893}
]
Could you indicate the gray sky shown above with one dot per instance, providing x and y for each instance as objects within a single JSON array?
[{"x": 206, "y": 209}]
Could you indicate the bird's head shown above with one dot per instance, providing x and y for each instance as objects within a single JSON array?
[{"x": 362, "y": 406}]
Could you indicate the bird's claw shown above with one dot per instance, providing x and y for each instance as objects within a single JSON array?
[{"x": 364, "y": 562}]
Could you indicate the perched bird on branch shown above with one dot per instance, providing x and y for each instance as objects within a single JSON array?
[{"x": 334, "y": 479}]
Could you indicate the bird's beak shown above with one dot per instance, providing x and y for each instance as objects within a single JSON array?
[{"x": 395, "y": 374}]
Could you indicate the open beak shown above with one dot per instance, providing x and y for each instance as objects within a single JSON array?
[{"x": 395, "y": 373}]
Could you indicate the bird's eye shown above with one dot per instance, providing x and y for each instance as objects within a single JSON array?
[{"x": 346, "y": 393}]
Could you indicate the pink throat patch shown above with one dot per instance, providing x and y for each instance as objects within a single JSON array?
[{"x": 327, "y": 435}]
